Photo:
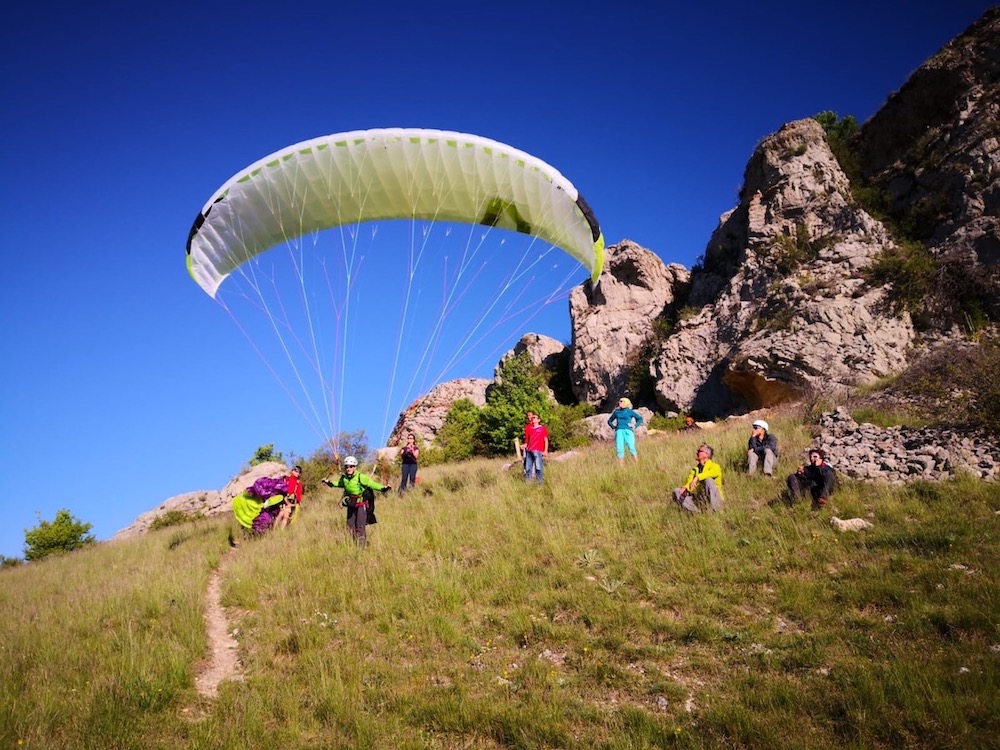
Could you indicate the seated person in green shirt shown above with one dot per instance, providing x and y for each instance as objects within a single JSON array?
[{"x": 703, "y": 485}]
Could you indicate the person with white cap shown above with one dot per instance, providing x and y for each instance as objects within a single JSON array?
[
  {"x": 355, "y": 484},
  {"x": 762, "y": 447}
]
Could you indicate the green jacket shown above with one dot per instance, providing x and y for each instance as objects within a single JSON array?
[
  {"x": 710, "y": 470},
  {"x": 355, "y": 485}
]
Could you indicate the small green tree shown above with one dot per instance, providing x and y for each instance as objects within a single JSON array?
[
  {"x": 458, "y": 437},
  {"x": 522, "y": 388},
  {"x": 64, "y": 534},
  {"x": 500, "y": 423},
  {"x": 352, "y": 444},
  {"x": 839, "y": 129},
  {"x": 566, "y": 426},
  {"x": 266, "y": 453},
  {"x": 326, "y": 460}
]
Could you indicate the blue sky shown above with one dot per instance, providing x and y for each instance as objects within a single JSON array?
[{"x": 125, "y": 384}]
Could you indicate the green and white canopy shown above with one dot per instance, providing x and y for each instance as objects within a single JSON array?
[{"x": 396, "y": 173}]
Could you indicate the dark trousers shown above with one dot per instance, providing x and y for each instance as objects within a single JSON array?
[
  {"x": 409, "y": 475},
  {"x": 799, "y": 486},
  {"x": 357, "y": 522}
]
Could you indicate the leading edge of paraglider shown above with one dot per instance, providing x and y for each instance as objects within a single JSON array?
[
  {"x": 596, "y": 233},
  {"x": 595, "y": 274},
  {"x": 210, "y": 272}
]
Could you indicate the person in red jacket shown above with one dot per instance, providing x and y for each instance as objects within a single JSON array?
[
  {"x": 292, "y": 498},
  {"x": 536, "y": 447}
]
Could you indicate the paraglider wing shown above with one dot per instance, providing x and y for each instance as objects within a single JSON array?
[{"x": 371, "y": 175}]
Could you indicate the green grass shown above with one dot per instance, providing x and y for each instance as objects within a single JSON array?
[{"x": 586, "y": 613}]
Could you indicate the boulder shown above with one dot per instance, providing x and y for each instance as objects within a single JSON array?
[
  {"x": 425, "y": 416},
  {"x": 611, "y": 321},
  {"x": 598, "y": 429},
  {"x": 205, "y": 502}
]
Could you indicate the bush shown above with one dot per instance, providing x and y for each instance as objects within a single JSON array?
[
  {"x": 63, "y": 534},
  {"x": 942, "y": 291},
  {"x": 266, "y": 453},
  {"x": 961, "y": 384},
  {"x": 490, "y": 431},
  {"x": 906, "y": 271},
  {"x": 324, "y": 461},
  {"x": 456, "y": 440},
  {"x": 173, "y": 518},
  {"x": 499, "y": 424},
  {"x": 566, "y": 427},
  {"x": 664, "y": 423},
  {"x": 839, "y": 130}
]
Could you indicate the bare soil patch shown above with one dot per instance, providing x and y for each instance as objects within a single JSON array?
[{"x": 223, "y": 661}]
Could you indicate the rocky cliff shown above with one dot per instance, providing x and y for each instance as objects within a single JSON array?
[
  {"x": 934, "y": 148},
  {"x": 780, "y": 306},
  {"x": 611, "y": 321}
]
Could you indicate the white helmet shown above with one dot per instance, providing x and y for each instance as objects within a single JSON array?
[
  {"x": 350, "y": 461},
  {"x": 762, "y": 424}
]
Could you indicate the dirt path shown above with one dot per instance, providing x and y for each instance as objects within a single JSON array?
[{"x": 223, "y": 662}]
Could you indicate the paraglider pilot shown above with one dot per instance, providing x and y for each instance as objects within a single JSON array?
[{"x": 360, "y": 508}]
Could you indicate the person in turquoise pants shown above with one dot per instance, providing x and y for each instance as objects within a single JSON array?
[{"x": 624, "y": 421}]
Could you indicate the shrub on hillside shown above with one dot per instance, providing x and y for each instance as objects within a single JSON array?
[
  {"x": 490, "y": 431},
  {"x": 935, "y": 290},
  {"x": 456, "y": 440},
  {"x": 324, "y": 461},
  {"x": 266, "y": 453},
  {"x": 566, "y": 426},
  {"x": 63, "y": 534},
  {"x": 173, "y": 518},
  {"x": 906, "y": 272},
  {"x": 960, "y": 383},
  {"x": 938, "y": 291}
]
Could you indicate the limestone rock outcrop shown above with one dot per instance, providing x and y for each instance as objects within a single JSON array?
[
  {"x": 899, "y": 455},
  {"x": 425, "y": 416},
  {"x": 934, "y": 147},
  {"x": 544, "y": 351},
  {"x": 204, "y": 502},
  {"x": 612, "y": 321},
  {"x": 598, "y": 429},
  {"x": 782, "y": 309},
  {"x": 778, "y": 307}
]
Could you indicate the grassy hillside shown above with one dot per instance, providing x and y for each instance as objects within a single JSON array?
[{"x": 587, "y": 613}]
